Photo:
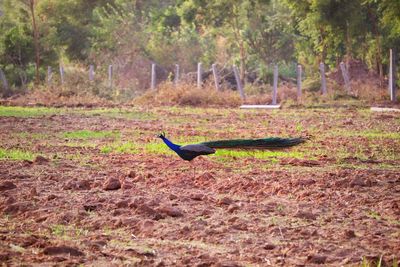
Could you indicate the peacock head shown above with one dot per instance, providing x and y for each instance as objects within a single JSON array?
[{"x": 161, "y": 135}]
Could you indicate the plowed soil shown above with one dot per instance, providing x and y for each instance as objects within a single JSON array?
[{"x": 122, "y": 199}]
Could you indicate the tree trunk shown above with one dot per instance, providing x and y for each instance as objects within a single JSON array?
[
  {"x": 239, "y": 40},
  {"x": 379, "y": 59},
  {"x": 35, "y": 40},
  {"x": 323, "y": 51},
  {"x": 348, "y": 46},
  {"x": 377, "y": 35},
  {"x": 242, "y": 62}
]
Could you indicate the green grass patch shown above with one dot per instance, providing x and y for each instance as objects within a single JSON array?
[
  {"x": 156, "y": 147},
  {"x": 67, "y": 232},
  {"x": 26, "y": 112},
  {"x": 370, "y": 134},
  {"x": 118, "y": 113},
  {"x": 134, "y": 148},
  {"x": 28, "y": 135},
  {"x": 87, "y": 134},
  {"x": 121, "y": 147},
  {"x": 16, "y": 154}
]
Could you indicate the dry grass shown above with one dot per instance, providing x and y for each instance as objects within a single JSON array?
[
  {"x": 189, "y": 95},
  {"x": 368, "y": 91},
  {"x": 78, "y": 91},
  {"x": 57, "y": 97}
]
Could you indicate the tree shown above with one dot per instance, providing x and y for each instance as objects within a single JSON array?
[
  {"x": 269, "y": 32},
  {"x": 70, "y": 31},
  {"x": 226, "y": 18},
  {"x": 16, "y": 42},
  {"x": 32, "y": 6}
]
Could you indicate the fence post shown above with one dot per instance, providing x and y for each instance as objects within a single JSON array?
[
  {"x": 49, "y": 75},
  {"x": 238, "y": 82},
  {"x": 110, "y": 76},
  {"x": 392, "y": 73},
  {"x": 153, "y": 76},
  {"x": 216, "y": 76},
  {"x": 91, "y": 73},
  {"x": 346, "y": 78},
  {"x": 275, "y": 85},
  {"x": 199, "y": 75},
  {"x": 176, "y": 79},
  {"x": 323, "y": 78},
  {"x": 4, "y": 80},
  {"x": 62, "y": 74},
  {"x": 299, "y": 76}
]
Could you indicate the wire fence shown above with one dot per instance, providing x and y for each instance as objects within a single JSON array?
[{"x": 215, "y": 74}]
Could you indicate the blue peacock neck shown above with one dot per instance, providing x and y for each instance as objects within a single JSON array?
[{"x": 171, "y": 145}]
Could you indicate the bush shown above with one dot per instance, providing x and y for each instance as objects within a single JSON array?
[
  {"x": 189, "y": 95},
  {"x": 312, "y": 84}
]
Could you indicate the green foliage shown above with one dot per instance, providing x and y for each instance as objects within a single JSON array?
[{"x": 251, "y": 34}]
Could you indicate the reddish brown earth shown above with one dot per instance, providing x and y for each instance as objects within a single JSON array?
[{"x": 76, "y": 205}]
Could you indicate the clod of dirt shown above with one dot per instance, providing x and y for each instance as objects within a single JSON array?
[
  {"x": 359, "y": 181},
  {"x": 40, "y": 160},
  {"x": 33, "y": 192},
  {"x": 112, "y": 184},
  {"x": 241, "y": 226},
  {"x": 171, "y": 211},
  {"x": 269, "y": 246},
  {"x": 306, "y": 215},
  {"x": 205, "y": 264},
  {"x": 145, "y": 209},
  {"x": 91, "y": 206},
  {"x": 270, "y": 207},
  {"x": 232, "y": 208},
  {"x": 7, "y": 185},
  {"x": 17, "y": 207},
  {"x": 197, "y": 196},
  {"x": 172, "y": 196},
  {"x": 348, "y": 122},
  {"x": 317, "y": 259},
  {"x": 29, "y": 241},
  {"x": 4, "y": 257},
  {"x": 142, "y": 252},
  {"x": 227, "y": 264},
  {"x": 300, "y": 162},
  {"x": 41, "y": 219},
  {"x": 122, "y": 204},
  {"x": 63, "y": 250},
  {"x": 204, "y": 178},
  {"x": 147, "y": 224},
  {"x": 349, "y": 234},
  {"x": 225, "y": 201},
  {"x": 306, "y": 182},
  {"x": 126, "y": 185},
  {"x": 77, "y": 185},
  {"x": 51, "y": 197},
  {"x": 9, "y": 200}
]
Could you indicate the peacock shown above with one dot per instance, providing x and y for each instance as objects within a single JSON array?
[{"x": 189, "y": 152}]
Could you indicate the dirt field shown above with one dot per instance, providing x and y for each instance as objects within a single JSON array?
[{"x": 97, "y": 188}]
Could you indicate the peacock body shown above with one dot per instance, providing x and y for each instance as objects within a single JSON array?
[{"x": 189, "y": 152}]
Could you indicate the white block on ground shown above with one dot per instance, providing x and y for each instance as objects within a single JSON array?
[
  {"x": 378, "y": 109},
  {"x": 260, "y": 106}
]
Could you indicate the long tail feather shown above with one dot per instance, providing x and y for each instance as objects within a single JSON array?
[{"x": 265, "y": 143}]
